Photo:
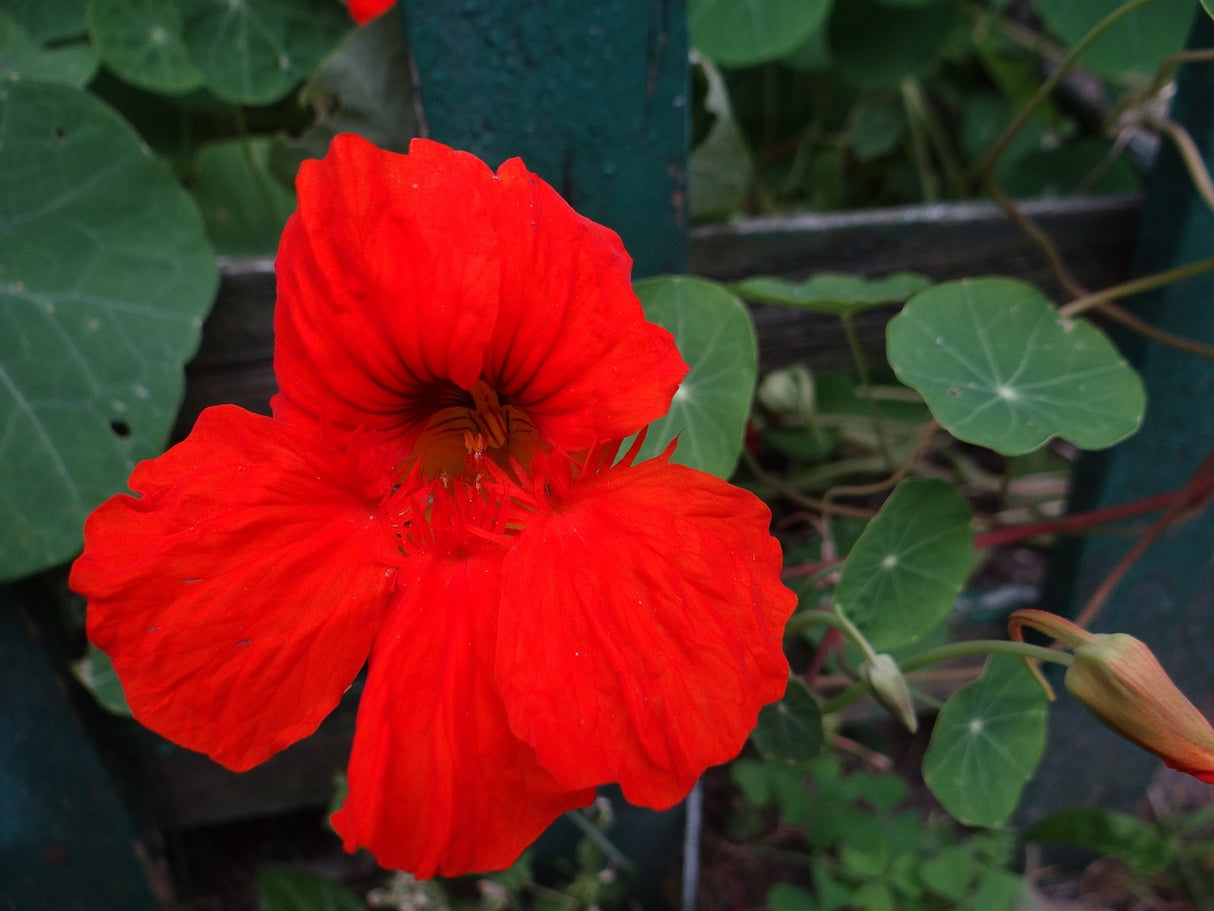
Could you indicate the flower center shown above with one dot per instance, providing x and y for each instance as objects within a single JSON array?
[{"x": 478, "y": 424}]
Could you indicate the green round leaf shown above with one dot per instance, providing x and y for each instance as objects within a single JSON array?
[
  {"x": 105, "y": 275},
  {"x": 142, "y": 41},
  {"x": 746, "y": 32},
  {"x": 905, "y": 570},
  {"x": 243, "y": 204},
  {"x": 986, "y": 743},
  {"x": 1138, "y": 43},
  {"x": 876, "y": 45},
  {"x": 716, "y": 338},
  {"x": 833, "y": 293},
  {"x": 1209, "y": 7},
  {"x": 791, "y": 729},
  {"x": 256, "y": 51},
  {"x": 999, "y": 367}
]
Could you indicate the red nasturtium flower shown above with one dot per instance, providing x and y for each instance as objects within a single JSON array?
[
  {"x": 458, "y": 356},
  {"x": 363, "y": 11}
]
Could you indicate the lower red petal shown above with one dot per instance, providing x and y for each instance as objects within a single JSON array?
[
  {"x": 239, "y": 594},
  {"x": 438, "y": 783},
  {"x": 641, "y": 629}
]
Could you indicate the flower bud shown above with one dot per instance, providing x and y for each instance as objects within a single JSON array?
[
  {"x": 884, "y": 679},
  {"x": 1119, "y": 679},
  {"x": 1122, "y": 683}
]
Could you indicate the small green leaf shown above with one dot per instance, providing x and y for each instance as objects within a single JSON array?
[
  {"x": 365, "y": 86},
  {"x": 986, "y": 743},
  {"x": 49, "y": 20},
  {"x": 716, "y": 338},
  {"x": 747, "y": 32},
  {"x": 142, "y": 41},
  {"x": 105, "y": 275},
  {"x": 1139, "y": 843},
  {"x": 833, "y": 293},
  {"x": 719, "y": 167},
  {"x": 1208, "y": 5},
  {"x": 785, "y": 897},
  {"x": 243, "y": 204},
  {"x": 999, "y": 367},
  {"x": 903, "y": 574},
  {"x": 297, "y": 890},
  {"x": 791, "y": 729},
  {"x": 96, "y": 672},
  {"x": 255, "y": 51}
]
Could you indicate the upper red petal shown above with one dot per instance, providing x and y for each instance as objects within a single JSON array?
[
  {"x": 571, "y": 345},
  {"x": 641, "y": 629},
  {"x": 363, "y": 11},
  {"x": 438, "y": 783},
  {"x": 238, "y": 595},
  {"x": 388, "y": 281}
]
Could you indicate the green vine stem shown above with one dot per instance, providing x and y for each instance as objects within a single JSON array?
[
  {"x": 1022, "y": 117},
  {"x": 858, "y": 691}
]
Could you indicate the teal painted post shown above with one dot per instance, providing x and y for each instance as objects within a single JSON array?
[
  {"x": 66, "y": 841},
  {"x": 592, "y": 96},
  {"x": 1167, "y": 599}
]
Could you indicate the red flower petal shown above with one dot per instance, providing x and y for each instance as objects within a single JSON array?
[
  {"x": 571, "y": 345},
  {"x": 438, "y": 783},
  {"x": 363, "y": 11},
  {"x": 641, "y": 629},
  {"x": 387, "y": 283},
  {"x": 239, "y": 594}
]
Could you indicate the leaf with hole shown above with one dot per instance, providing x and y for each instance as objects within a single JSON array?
[
  {"x": 716, "y": 338},
  {"x": 999, "y": 367},
  {"x": 791, "y": 729},
  {"x": 903, "y": 574},
  {"x": 747, "y": 32},
  {"x": 986, "y": 743},
  {"x": 105, "y": 275},
  {"x": 832, "y": 293}
]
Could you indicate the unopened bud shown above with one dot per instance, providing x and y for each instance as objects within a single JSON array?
[{"x": 884, "y": 679}]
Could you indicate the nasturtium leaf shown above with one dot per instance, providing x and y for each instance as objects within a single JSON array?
[
  {"x": 832, "y": 293},
  {"x": 876, "y": 45},
  {"x": 142, "y": 41},
  {"x": 255, "y": 51},
  {"x": 1137, "y": 44},
  {"x": 719, "y": 167},
  {"x": 999, "y": 367},
  {"x": 986, "y": 743},
  {"x": 73, "y": 62},
  {"x": 716, "y": 338},
  {"x": 105, "y": 275},
  {"x": 1209, "y": 6},
  {"x": 365, "y": 86},
  {"x": 95, "y": 671},
  {"x": 243, "y": 203},
  {"x": 791, "y": 729},
  {"x": 786, "y": 897},
  {"x": 904, "y": 572},
  {"x": 281, "y": 889},
  {"x": 748, "y": 32}
]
